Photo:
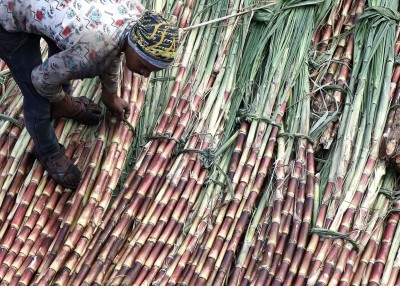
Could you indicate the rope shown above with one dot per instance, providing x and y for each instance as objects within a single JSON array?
[
  {"x": 208, "y": 158},
  {"x": 12, "y": 120},
  {"x": 250, "y": 116},
  {"x": 297, "y": 135},
  {"x": 326, "y": 233}
]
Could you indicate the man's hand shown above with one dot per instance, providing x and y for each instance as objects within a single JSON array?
[{"x": 118, "y": 106}]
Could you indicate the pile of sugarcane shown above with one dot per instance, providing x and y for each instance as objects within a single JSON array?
[{"x": 265, "y": 155}]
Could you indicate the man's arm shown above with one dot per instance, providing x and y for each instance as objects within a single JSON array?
[
  {"x": 77, "y": 62},
  {"x": 110, "y": 79}
]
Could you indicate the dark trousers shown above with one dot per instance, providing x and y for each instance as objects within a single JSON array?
[{"x": 21, "y": 52}]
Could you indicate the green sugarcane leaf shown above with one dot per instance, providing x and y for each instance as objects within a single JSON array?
[
  {"x": 303, "y": 3},
  {"x": 379, "y": 11},
  {"x": 320, "y": 125},
  {"x": 264, "y": 15}
]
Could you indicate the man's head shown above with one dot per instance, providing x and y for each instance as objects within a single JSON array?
[{"x": 152, "y": 44}]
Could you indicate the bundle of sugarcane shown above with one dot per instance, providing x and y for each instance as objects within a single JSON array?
[
  {"x": 354, "y": 158},
  {"x": 33, "y": 207},
  {"x": 285, "y": 89},
  {"x": 162, "y": 186},
  {"x": 332, "y": 59}
]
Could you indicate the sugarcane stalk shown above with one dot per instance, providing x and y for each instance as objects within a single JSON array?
[
  {"x": 12, "y": 113},
  {"x": 304, "y": 187},
  {"x": 16, "y": 215},
  {"x": 72, "y": 213},
  {"x": 172, "y": 230},
  {"x": 94, "y": 198},
  {"x": 386, "y": 275},
  {"x": 40, "y": 233},
  {"x": 371, "y": 246},
  {"x": 136, "y": 100},
  {"x": 24, "y": 165},
  {"x": 17, "y": 155},
  {"x": 32, "y": 221},
  {"x": 198, "y": 225},
  {"x": 9, "y": 141},
  {"x": 82, "y": 245},
  {"x": 394, "y": 275},
  {"x": 338, "y": 260},
  {"x": 192, "y": 45},
  {"x": 311, "y": 182},
  {"x": 342, "y": 81},
  {"x": 261, "y": 208},
  {"x": 151, "y": 220},
  {"x": 343, "y": 72},
  {"x": 285, "y": 212},
  {"x": 361, "y": 232},
  {"x": 383, "y": 252}
]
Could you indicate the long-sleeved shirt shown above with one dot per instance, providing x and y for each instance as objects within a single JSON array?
[{"x": 89, "y": 33}]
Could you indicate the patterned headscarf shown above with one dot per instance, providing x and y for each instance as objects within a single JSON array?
[{"x": 154, "y": 39}]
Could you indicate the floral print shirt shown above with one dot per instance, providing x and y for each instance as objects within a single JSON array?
[{"x": 89, "y": 33}]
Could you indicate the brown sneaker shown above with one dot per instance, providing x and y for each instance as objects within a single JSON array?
[
  {"x": 60, "y": 168},
  {"x": 81, "y": 109}
]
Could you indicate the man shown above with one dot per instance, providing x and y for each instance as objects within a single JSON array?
[{"x": 86, "y": 38}]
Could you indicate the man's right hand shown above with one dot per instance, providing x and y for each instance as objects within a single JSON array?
[{"x": 116, "y": 105}]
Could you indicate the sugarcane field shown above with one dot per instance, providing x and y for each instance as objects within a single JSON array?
[{"x": 267, "y": 153}]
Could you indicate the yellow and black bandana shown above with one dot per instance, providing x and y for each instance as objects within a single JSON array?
[{"x": 155, "y": 39}]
